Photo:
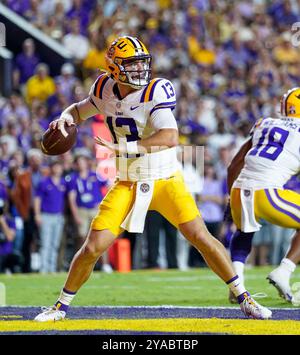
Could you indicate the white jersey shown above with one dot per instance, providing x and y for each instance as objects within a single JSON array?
[
  {"x": 135, "y": 117},
  {"x": 275, "y": 154}
]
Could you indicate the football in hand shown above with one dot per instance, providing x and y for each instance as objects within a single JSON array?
[{"x": 56, "y": 141}]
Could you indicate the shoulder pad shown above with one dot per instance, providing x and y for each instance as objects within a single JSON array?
[{"x": 98, "y": 86}]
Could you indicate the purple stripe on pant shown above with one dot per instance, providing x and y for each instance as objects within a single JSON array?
[{"x": 291, "y": 215}]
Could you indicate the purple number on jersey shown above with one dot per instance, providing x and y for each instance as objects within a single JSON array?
[
  {"x": 124, "y": 121},
  {"x": 274, "y": 142},
  {"x": 170, "y": 91}
]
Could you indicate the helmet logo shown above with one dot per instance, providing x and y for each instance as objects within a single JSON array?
[
  {"x": 292, "y": 110},
  {"x": 111, "y": 51},
  {"x": 121, "y": 45}
]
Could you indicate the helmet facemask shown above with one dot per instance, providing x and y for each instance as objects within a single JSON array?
[{"x": 135, "y": 71}]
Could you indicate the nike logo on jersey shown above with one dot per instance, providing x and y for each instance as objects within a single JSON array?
[{"x": 133, "y": 107}]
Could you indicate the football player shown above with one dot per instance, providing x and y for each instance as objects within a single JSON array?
[
  {"x": 138, "y": 113},
  {"x": 256, "y": 177}
]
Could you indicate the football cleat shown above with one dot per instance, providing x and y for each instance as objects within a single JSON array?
[
  {"x": 254, "y": 310},
  {"x": 296, "y": 294},
  {"x": 50, "y": 314},
  {"x": 281, "y": 282}
]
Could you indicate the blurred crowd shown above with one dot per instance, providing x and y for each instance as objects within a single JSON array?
[{"x": 230, "y": 62}]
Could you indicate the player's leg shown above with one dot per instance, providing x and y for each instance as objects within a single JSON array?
[
  {"x": 240, "y": 248},
  {"x": 173, "y": 200},
  {"x": 281, "y": 275},
  {"x": 104, "y": 229},
  {"x": 282, "y": 207},
  {"x": 216, "y": 257},
  {"x": 241, "y": 242},
  {"x": 96, "y": 243}
]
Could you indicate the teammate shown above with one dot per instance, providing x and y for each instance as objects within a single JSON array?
[
  {"x": 256, "y": 177},
  {"x": 138, "y": 113}
]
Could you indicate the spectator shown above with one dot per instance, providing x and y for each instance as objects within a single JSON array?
[
  {"x": 8, "y": 146},
  {"x": 40, "y": 86},
  {"x": 261, "y": 244},
  {"x": 154, "y": 224},
  {"x": 212, "y": 200},
  {"x": 48, "y": 210},
  {"x": 76, "y": 43},
  {"x": 95, "y": 58},
  {"x": 66, "y": 81},
  {"x": 84, "y": 195},
  {"x": 22, "y": 192},
  {"x": 14, "y": 108},
  {"x": 15, "y": 167},
  {"x": 9, "y": 261},
  {"x": 25, "y": 63}
]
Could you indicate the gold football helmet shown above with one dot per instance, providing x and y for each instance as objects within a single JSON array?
[
  {"x": 290, "y": 103},
  {"x": 129, "y": 62}
]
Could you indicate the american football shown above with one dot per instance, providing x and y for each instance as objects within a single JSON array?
[{"x": 56, "y": 142}]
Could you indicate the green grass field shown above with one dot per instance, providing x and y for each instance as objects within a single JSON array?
[{"x": 198, "y": 287}]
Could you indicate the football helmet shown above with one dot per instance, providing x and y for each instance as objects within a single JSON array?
[
  {"x": 129, "y": 62},
  {"x": 290, "y": 103}
]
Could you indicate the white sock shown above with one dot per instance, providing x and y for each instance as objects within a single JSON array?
[
  {"x": 64, "y": 300},
  {"x": 239, "y": 268},
  {"x": 236, "y": 286}
]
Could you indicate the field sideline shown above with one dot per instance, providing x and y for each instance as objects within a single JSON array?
[{"x": 145, "y": 302}]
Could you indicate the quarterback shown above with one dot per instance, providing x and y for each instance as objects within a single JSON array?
[
  {"x": 138, "y": 113},
  {"x": 256, "y": 177}
]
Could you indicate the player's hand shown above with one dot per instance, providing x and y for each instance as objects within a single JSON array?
[
  {"x": 59, "y": 123},
  {"x": 114, "y": 147}
]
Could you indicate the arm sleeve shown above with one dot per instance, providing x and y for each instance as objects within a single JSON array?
[
  {"x": 87, "y": 108},
  {"x": 162, "y": 119}
]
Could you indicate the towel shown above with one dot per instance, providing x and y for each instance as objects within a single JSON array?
[
  {"x": 135, "y": 219},
  {"x": 249, "y": 223}
]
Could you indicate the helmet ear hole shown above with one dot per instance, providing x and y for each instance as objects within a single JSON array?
[{"x": 111, "y": 68}]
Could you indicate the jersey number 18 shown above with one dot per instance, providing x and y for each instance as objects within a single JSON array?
[{"x": 274, "y": 146}]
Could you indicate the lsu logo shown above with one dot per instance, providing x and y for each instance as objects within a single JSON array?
[
  {"x": 145, "y": 188},
  {"x": 292, "y": 110},
  {"x": 111, "y": 51}
]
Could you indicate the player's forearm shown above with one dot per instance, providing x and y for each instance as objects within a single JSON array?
[
  {"x": 71, "y": 112},
  {"x": 80, "y": 111},
  {"x": 163, "y": 139},
  {"x": 237, "y": 164}
]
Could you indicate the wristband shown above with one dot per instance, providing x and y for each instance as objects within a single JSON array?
[
  {"x": 132, "y": 147},
  {"x": 66, "y": 116}
]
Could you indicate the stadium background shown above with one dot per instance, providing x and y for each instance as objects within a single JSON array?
[{"x": 230, "y": 62}]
